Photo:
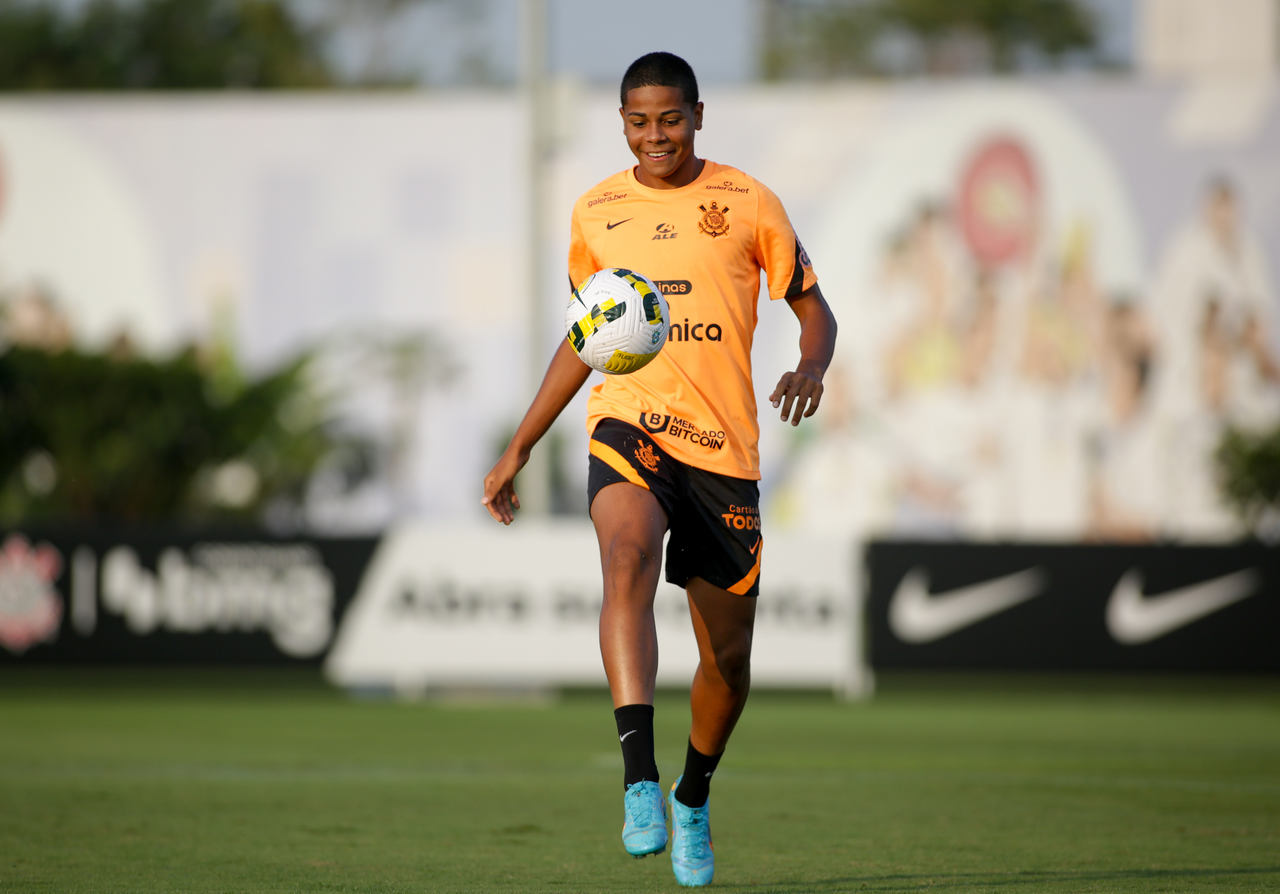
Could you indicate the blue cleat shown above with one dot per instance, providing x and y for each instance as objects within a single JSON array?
[
  {"x": 692, "y": 857},
  {"x": 644, "y": 831}
]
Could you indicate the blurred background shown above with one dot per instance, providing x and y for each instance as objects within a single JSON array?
[{"x": 278, "y": 279}]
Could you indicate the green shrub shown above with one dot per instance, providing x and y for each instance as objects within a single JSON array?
[
  {"x": 1249, "y": 471},
  {"x": 94, "y": 437}
]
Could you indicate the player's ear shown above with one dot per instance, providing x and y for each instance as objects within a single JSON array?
[{"x": 697, "y": 116}]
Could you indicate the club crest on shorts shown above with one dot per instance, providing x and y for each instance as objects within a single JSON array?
[
  {"x": 646, "y": 457},
  {"x": 714, "y": 220}
]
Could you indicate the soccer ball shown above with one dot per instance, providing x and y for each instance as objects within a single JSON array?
[{"x": 617, "y": 320}]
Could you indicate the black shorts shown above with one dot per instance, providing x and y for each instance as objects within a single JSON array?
[{"x": 714, "y": 519}]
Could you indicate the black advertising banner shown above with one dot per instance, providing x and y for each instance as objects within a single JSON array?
[
  {"x": 1072, "y": 607},
  {"x": 173, "y": 597}
]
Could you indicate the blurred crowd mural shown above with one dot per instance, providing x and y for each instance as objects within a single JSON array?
[
  {"x": 1056, "y": 302},
  {"x": 1016, "y": 362}
]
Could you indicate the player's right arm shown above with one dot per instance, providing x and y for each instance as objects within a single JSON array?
[{"x": 563, "y": 378}]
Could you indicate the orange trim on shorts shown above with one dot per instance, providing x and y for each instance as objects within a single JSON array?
[
  {"x": 742, "y": 586},
  {"x": 613, "y": 459}
]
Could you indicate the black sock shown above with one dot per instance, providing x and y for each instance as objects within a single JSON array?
[
  {"x": 695, "y": 784},
  {"x": 635, "y": 732}
]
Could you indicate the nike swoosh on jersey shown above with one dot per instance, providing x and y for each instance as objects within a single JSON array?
[
  {"x": 918, "y": 616},
  {"x": 612, "y": 224},
  {"x": 1135, "y": 617}
]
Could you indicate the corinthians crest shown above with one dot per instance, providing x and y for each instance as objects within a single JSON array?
[
  {"x": 714, "y": 221},
  {"x": 30, "y": 607},
  {"x": 646, "y": 456}
]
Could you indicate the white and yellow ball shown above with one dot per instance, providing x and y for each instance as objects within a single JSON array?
[{"x": 617, "y": 320}]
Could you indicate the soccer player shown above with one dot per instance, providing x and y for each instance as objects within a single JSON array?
[{"x": 674, "y": 446}]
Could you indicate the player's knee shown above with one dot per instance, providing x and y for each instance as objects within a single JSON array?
[{"x": 626, "y": 560}]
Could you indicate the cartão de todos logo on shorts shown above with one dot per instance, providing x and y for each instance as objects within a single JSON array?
[
  {"x": 742, "y": 518},
  {"x": 30, "y": 608},
  {"x": 682, "y": 429}
]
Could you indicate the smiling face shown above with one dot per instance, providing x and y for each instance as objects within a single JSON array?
[{"x": 659, "y": 126}]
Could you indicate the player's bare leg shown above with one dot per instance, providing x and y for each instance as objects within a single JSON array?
[
  {"x": 723, "y": 625},
  {"x": 630, "y": 525}
]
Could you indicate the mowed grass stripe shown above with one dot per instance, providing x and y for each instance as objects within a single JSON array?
[
  {"x": 111, "y": 784},
  {"x": 463, "y": 774}
]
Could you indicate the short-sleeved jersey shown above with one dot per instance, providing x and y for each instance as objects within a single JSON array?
[{"x": 705, "y": 245}]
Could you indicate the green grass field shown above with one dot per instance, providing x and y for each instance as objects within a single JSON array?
[{"x": 133, "y": 782}]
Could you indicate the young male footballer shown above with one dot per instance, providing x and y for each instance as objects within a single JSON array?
[{"x": 674, "y": 445}]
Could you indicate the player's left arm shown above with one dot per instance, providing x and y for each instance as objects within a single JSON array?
[{"x": 799, "y": 392}]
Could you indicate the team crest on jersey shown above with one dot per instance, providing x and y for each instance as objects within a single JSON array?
[{"x": 715, "y": 221}]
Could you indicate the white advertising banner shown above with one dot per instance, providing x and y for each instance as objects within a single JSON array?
[{"x": 446, "y": 606}]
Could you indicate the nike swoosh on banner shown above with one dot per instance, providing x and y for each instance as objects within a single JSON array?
[
  {"x": 918, "y": 616},
  {"x": 611, "y": 225},
  {"x": 1135, "y": 617}
]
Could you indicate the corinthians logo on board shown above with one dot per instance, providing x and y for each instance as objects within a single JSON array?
[{"x": 30, "y": 608}]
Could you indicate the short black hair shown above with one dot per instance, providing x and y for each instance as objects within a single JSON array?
[{"x": 661, "y": 70}]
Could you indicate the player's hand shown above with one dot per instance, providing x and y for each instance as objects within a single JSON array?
[
  {"x": 499, "y": 487},
  {"x": 798, "y": 394}
]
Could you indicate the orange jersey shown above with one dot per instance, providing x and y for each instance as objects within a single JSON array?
[{"x": 705, "y": 245}]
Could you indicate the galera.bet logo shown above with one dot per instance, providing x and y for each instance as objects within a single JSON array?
[{"x": 30, "y": 608}]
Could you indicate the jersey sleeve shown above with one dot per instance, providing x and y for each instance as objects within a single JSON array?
[
  {"x": 582, "y": 263},
  {"x": 778, "y": 250}
]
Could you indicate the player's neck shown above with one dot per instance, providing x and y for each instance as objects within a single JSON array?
[{"x": 688, "y": 172}]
